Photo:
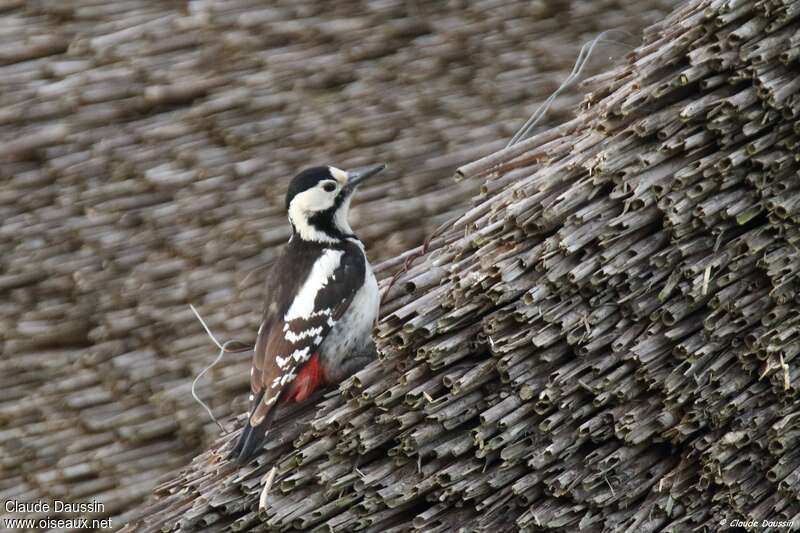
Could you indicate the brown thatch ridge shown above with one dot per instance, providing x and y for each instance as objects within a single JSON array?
[
  {"x": 137, "y": 139},
  {"x": 607, "y": 340}
]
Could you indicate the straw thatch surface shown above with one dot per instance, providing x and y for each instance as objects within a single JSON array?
[
  {"x": 607, "y": 341},
  {"x": 138, "y": 139}
]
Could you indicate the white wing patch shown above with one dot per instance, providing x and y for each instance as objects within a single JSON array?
[
  {"x": 293, "y": 337},
  {"x": 301, "y": 356},
  {"x": 297, "y": 357},
  {"x": 284, "y": 378},
  {"x": 287, "y": 377},
  {"x": 321, "y": 273}
]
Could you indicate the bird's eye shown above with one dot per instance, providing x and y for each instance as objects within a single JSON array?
[{"x": 329, "y": 187}]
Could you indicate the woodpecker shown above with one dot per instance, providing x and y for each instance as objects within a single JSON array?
[{"x": 316, "y": 329}]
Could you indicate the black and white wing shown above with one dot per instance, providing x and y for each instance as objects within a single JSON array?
[{"x": 296, "y": 321}]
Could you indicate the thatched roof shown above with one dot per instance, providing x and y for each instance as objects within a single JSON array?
[
  {"x": 138, "y": 139},
  {"x": 607, "y": 340}
]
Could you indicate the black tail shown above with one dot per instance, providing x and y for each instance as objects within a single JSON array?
[{"x": 252, "y": 437}]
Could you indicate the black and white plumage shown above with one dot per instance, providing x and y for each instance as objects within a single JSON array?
[{"x": 322, "y": 302}]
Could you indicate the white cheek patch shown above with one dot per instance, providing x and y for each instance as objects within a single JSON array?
[
  {"x": 303, "y": 206},
  {"x": 310, "y": 201},
  {"x": 339, "y": 174}
]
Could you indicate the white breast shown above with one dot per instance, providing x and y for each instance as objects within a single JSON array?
[{"x": 351, "y": 334}]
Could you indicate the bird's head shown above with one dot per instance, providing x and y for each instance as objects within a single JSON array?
[{"x": 318, "y": 201}]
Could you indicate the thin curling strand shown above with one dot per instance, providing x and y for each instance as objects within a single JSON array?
[
  {"x": 222, "y": 349},
  {"x": 583, "y": 59}
]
